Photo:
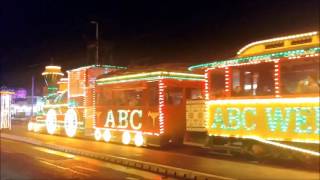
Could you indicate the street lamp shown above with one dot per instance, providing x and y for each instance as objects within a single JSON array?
[{"x": 97, "y": 39}]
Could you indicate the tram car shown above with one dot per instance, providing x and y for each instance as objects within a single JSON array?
[
  {"x": 145, "y": 105},
  {"x": 266, "y": 99}
]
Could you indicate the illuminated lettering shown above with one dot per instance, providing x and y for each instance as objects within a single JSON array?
[
  {"x": 139, "y": 113},
  {"x": 218, "y": 119},
  {"x": 233, "y": 118},
  {"x": 110, "y": 119},
  {"x": 276, "y": 118},
  {"x": 301, "y": 120},
  {"x": 123, "y": 118},
  {"x": 317, "y": 119},
  {"x": 244, "y": 114}
]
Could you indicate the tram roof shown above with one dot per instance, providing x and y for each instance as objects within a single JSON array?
[
  {"x": 150, "y": 73},
  {"x": 259, "y": 58},
  {"x": 305, "y": 44},
  {"x": 97, "y": 66}
]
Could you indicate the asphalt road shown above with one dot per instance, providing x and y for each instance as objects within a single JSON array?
[
  {"x": 223, "y": 167},
  {"x": 24, "y": 161}
]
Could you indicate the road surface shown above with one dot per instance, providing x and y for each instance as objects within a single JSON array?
[
  {"x": 24, "y": 161},
  {"x": 231, "y": 168}
]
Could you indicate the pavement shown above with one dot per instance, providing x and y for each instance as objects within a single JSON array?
[
  {"x": 217, "y": 167},
  {"x": 24, "y": 161}
]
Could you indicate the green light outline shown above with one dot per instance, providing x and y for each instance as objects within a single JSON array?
[{"x": 256, "y": 58}]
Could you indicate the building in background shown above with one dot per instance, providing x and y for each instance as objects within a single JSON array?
[
  {"x": 5, "y": 108},
  {"x": 22, "y": 107}
]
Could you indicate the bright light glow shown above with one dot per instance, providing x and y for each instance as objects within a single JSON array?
[
  {"x": 36, "y": 127},
  {"x": 265, "y": 101},
  {"x": 277, "y": 39},
  {"x": 287, "y": 146},
  {"x": 126, "y": 137},
  {"x": 51, "y": 121},
  {"x": 150, "y": 76},
  {"x": 30, "y": 126},
  {"x": 71, "y": 122},
  {"x": 161, "y": 106},
  {"x": 311, "y": 52},
  {"x": 53, "y": 67},
  {"x": 138, "y": 139},
  {"x": 97, "y": 134},
  {"x": 107, "y": 135},
  {"x": 5, "y": 109},
  {"x": 53, "y": 73}
]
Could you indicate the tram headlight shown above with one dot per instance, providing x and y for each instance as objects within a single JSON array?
[
  {"x": 126, "y": 137},
  {"x": 107, "y": 135},
  {"x": 138, "y": 139},
  {"x": 97, "y": 134},
  {"x": 30, "y": 126},
  {"x": 36, "y": 127}
]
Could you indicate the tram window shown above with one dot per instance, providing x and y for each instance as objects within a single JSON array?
[
  {"x": 153, "y": 97},
  {"x": 104, "y": 97},
  {"x": 127, "y": 98},
  {"x": 253, "y": 80},
  {"x": 134, "y": 97},
  {"x": 300, "y": 77},
  {"x": 194, "y": 93},
  {"x": 174, "y": 96},
  {"x": 217, "y": 84},
  {"x": 119, "y": 98}
]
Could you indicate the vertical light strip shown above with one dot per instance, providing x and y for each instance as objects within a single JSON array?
[
  {"x": 84, "y": 95},
  {"x": 161, "y": 106},
  {"x": 206, "y": 84},
  {"x": 277, "y": 78},
  {"x": 69, "y": 74},
  {"x": 227, "y": 80},
  {"x": 207, "y": 97},
  {"x": 9, "y": 110},
  {"x": 94, "y": 104}
]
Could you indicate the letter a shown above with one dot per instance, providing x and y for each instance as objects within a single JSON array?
[{"x": 110, "y": 119}]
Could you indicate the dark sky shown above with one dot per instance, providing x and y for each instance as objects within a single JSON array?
[{"x": 36, "y": 33}]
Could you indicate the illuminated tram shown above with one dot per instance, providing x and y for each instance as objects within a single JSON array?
[
  {"x": 145, "y": 105},
  {"x": 264, "y": 100}
]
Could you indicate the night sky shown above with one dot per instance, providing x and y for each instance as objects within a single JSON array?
[{"x": 37, "y": 33}]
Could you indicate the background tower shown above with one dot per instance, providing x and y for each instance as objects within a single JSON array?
[{"x": 52, "y": 75}]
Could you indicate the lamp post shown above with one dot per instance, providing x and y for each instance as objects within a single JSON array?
[{"x": 97, "y": 39}]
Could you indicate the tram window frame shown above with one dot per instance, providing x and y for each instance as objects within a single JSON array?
[
  {"x": 254, "y": 80},
  {"x": 296, "y": 77}
]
